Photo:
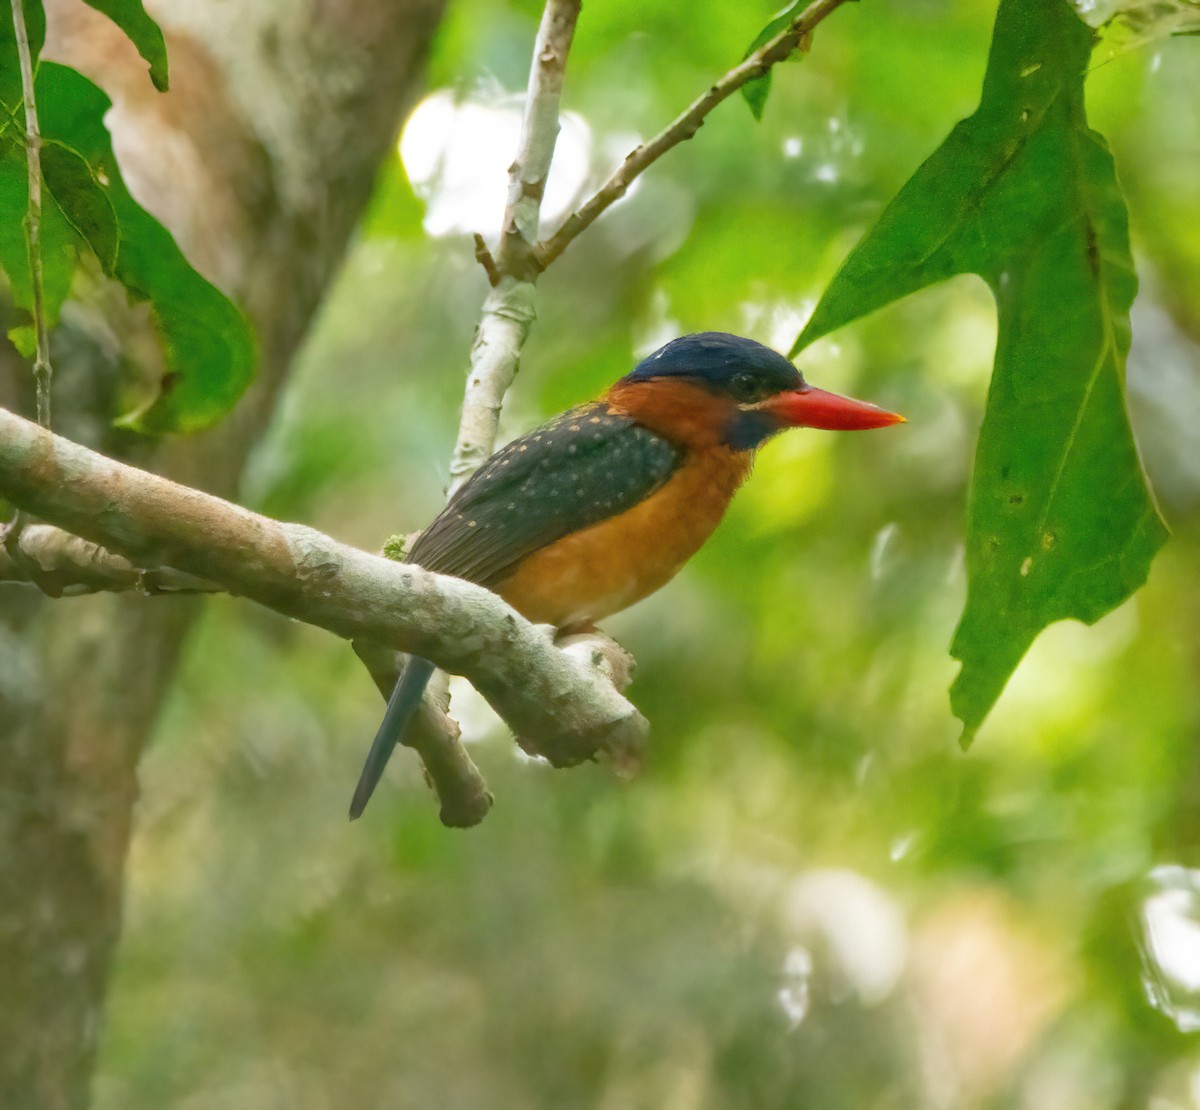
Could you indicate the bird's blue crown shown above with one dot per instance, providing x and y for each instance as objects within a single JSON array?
[{"x": 715, "y": 357}]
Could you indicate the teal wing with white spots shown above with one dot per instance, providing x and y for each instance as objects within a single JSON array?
[{"x": 585, "y": 466}]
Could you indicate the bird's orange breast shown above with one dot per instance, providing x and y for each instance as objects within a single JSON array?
[{"x": 605, "y": 567}]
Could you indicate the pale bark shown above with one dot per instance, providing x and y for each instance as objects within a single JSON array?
[
  {"x": 510, "y": 308},
  {"x": 559, "y": 704}
]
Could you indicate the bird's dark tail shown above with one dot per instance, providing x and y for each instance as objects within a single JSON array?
[{"x": 402, "y": 707}]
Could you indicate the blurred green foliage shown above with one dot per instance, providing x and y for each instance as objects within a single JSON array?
[{"x": 810, "y": 897}]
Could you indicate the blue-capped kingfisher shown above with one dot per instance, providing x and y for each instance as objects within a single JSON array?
[{"x": 601, "y": 506}]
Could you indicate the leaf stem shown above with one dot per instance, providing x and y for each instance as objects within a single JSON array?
[{"x": 42, "y": 371}]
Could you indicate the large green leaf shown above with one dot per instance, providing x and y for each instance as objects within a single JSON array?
[
  {"x": 143, "y": 32},
  {"x": 1061, "y": 522},
  {"x": 208, "y": 346}
]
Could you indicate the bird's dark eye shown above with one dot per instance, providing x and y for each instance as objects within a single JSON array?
[{"x": 745, "y": 387}]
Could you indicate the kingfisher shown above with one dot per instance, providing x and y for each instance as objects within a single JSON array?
[{"x": 602, "y": 505}]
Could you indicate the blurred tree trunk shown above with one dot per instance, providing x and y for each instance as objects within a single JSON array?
[{"x": 260, "y": 160}]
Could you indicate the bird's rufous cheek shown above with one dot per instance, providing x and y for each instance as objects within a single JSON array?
[{"x": 817, "y": 408}]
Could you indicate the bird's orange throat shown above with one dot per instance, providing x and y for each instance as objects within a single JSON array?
[{"x": 600, "y": 570}]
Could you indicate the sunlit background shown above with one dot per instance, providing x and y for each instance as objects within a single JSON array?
[{"x": 810, "y": 897}]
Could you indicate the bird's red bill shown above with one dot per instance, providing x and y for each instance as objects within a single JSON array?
[{"x": 817, "y": 408}]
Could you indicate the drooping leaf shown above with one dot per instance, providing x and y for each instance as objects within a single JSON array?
[
  {"x": 143, "y": 32},
  {"x": 1061, "y": 521},
  {"x": 57, "y": 245},
  {"x": 208, "y": 346},
  {"x": 756, "y": 92}
]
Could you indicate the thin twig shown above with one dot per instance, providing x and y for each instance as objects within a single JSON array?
[
  {"x": 508, "y": 310},
  {"x": 539, "y": 133},
  {"x": 795, "y": 36},
  {"x": 42, "y": 372}
]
